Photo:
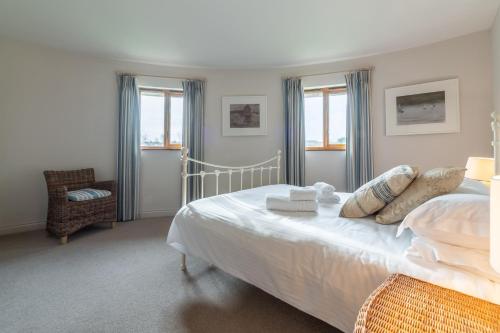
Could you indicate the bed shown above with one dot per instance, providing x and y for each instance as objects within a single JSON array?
[{"x": 320, "y": 263}]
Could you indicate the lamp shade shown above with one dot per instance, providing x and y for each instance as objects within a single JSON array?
[
  {"x": 480, "y": 168},
  {"x": 495, "y": 223}
]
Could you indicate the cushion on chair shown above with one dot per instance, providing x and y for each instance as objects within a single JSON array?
[{"x": 87, "y": 194}]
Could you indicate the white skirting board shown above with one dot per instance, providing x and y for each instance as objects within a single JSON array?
[
  {"x": 40, "y": 224},
  {"x": 24, "y": 227},
  {"x": 158, "y": 213}
]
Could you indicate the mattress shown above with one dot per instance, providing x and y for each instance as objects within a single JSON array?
[{"x": 323, "y": 264}]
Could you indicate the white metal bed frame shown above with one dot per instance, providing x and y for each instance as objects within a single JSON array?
[
  {"x": 259, "y": 167},
  {"x": 269, "y": 165}
]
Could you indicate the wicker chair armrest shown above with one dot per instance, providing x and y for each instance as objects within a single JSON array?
[
  {"x": 109, "y": 185},
  {"x": 59, "y": 193}
]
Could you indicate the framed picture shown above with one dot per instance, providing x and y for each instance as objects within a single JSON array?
[
  {"x": 244, "y": 115},
  {"x": 424, "y": 108}
]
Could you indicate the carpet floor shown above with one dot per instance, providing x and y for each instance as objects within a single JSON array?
[{"x": 128, "y": 280}]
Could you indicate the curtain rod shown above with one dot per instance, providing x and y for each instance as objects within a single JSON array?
[
  {"x": 305, "y": 75},
  {"x": 338, "y": 72},
  {"x": 161, "y": 77}
]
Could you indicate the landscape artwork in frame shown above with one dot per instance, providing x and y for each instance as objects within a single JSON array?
[
  {"x": 244, "y": 115},
  {"x": 425, "y": 108}
]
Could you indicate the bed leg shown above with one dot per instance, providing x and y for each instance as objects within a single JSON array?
[{"x": 183, "y": 263}]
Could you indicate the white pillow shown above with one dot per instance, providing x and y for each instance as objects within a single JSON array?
[
  {"x": 457, "y": 219},
  {"x": 470, "y": 260},
  {"x": 471, "y": 186}
]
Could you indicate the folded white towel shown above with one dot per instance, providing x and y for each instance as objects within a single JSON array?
[
  {"x": 331, "y": 198},
  {"x": 281, "y": 202},
  {"x": 324, "y": 188},
  {"x": 303, "y": 194},
  {"x": 326, "y": 193}
]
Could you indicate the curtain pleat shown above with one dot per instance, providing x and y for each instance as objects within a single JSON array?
[
  {"x": 294, "y": 150},
  {"x": 193, "y": 136},
  {"x": 359, "y": 158},
  {"x": 128, "y": 165}
]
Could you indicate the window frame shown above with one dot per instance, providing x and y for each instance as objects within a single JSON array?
[
  {"x": 167, "y": 93},
  {"x": 327, "y": 91}
]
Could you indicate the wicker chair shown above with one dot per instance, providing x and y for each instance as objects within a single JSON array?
[{"x": 65, "y": 217}]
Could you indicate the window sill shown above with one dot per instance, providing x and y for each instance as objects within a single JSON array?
[
  {"x": 160, "y": 148},
  {"x": 335, "y": 148}
]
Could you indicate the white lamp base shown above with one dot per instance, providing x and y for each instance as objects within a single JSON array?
[{"x": 495, "y": 223}]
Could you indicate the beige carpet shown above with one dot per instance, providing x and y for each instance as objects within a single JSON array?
[{"x": 128, "y": 280}]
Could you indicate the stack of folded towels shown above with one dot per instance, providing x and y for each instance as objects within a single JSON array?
[
  {"x": 303, "y": 199},
  {"x": 326, "y": 193}
]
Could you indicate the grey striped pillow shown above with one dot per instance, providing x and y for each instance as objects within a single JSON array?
[
  {"x": 432, "y": 183},
  {"x": 377, "y": 193}
]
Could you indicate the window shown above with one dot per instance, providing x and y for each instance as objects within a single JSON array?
[
  {"x": 161, "y": 119},
  {"x": 325, "y": 118}
]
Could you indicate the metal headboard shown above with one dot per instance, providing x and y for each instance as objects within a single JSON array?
[{"x": 255, "y": 171}]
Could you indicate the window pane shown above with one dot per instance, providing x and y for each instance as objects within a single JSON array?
[
  {"x": 152, "y": 118},
  {"x": 313, "y": 109},
  {"x": 337, "y": 118},
  {"x": 176, "y": 105}
]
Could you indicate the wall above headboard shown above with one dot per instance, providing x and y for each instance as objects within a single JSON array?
[{"x": 59, "y": 111}]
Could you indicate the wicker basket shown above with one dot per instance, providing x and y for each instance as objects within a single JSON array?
[{"x": 405, "y": 304}]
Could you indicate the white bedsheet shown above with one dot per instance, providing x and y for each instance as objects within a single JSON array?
[{"x": 321, "y": 263}]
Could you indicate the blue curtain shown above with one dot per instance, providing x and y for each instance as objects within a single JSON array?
[
  {"x": 359, "y": 130},
  {"x": 128, "y": 165},
  {"x": 192, "y": 138},
  {"x": 295, "y": 138}
]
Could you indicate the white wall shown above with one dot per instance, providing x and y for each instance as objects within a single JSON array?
[
  {"x": 495, "y": 41},
  {"x": 161, "y": 169},
  {"x": 467, "y": 58},
  {"x": 58, "y": 110}
]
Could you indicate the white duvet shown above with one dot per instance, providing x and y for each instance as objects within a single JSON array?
[{"x": 321, "y": 263}]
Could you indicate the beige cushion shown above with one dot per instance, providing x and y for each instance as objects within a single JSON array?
[
  {"x": 429, "y": 185},
  {"x": 378, "y": 192}
]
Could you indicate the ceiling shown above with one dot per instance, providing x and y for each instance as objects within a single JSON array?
[{"x": 241, "y": 34}]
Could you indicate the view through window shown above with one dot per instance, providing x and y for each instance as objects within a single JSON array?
[
  {"x": 325, "y": 118},
  {"x": 161, "y": 119}
]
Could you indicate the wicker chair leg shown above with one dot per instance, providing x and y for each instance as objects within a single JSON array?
[
  {"x": 63, "y": 239},
  {"x": 113, "y": 224}
]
